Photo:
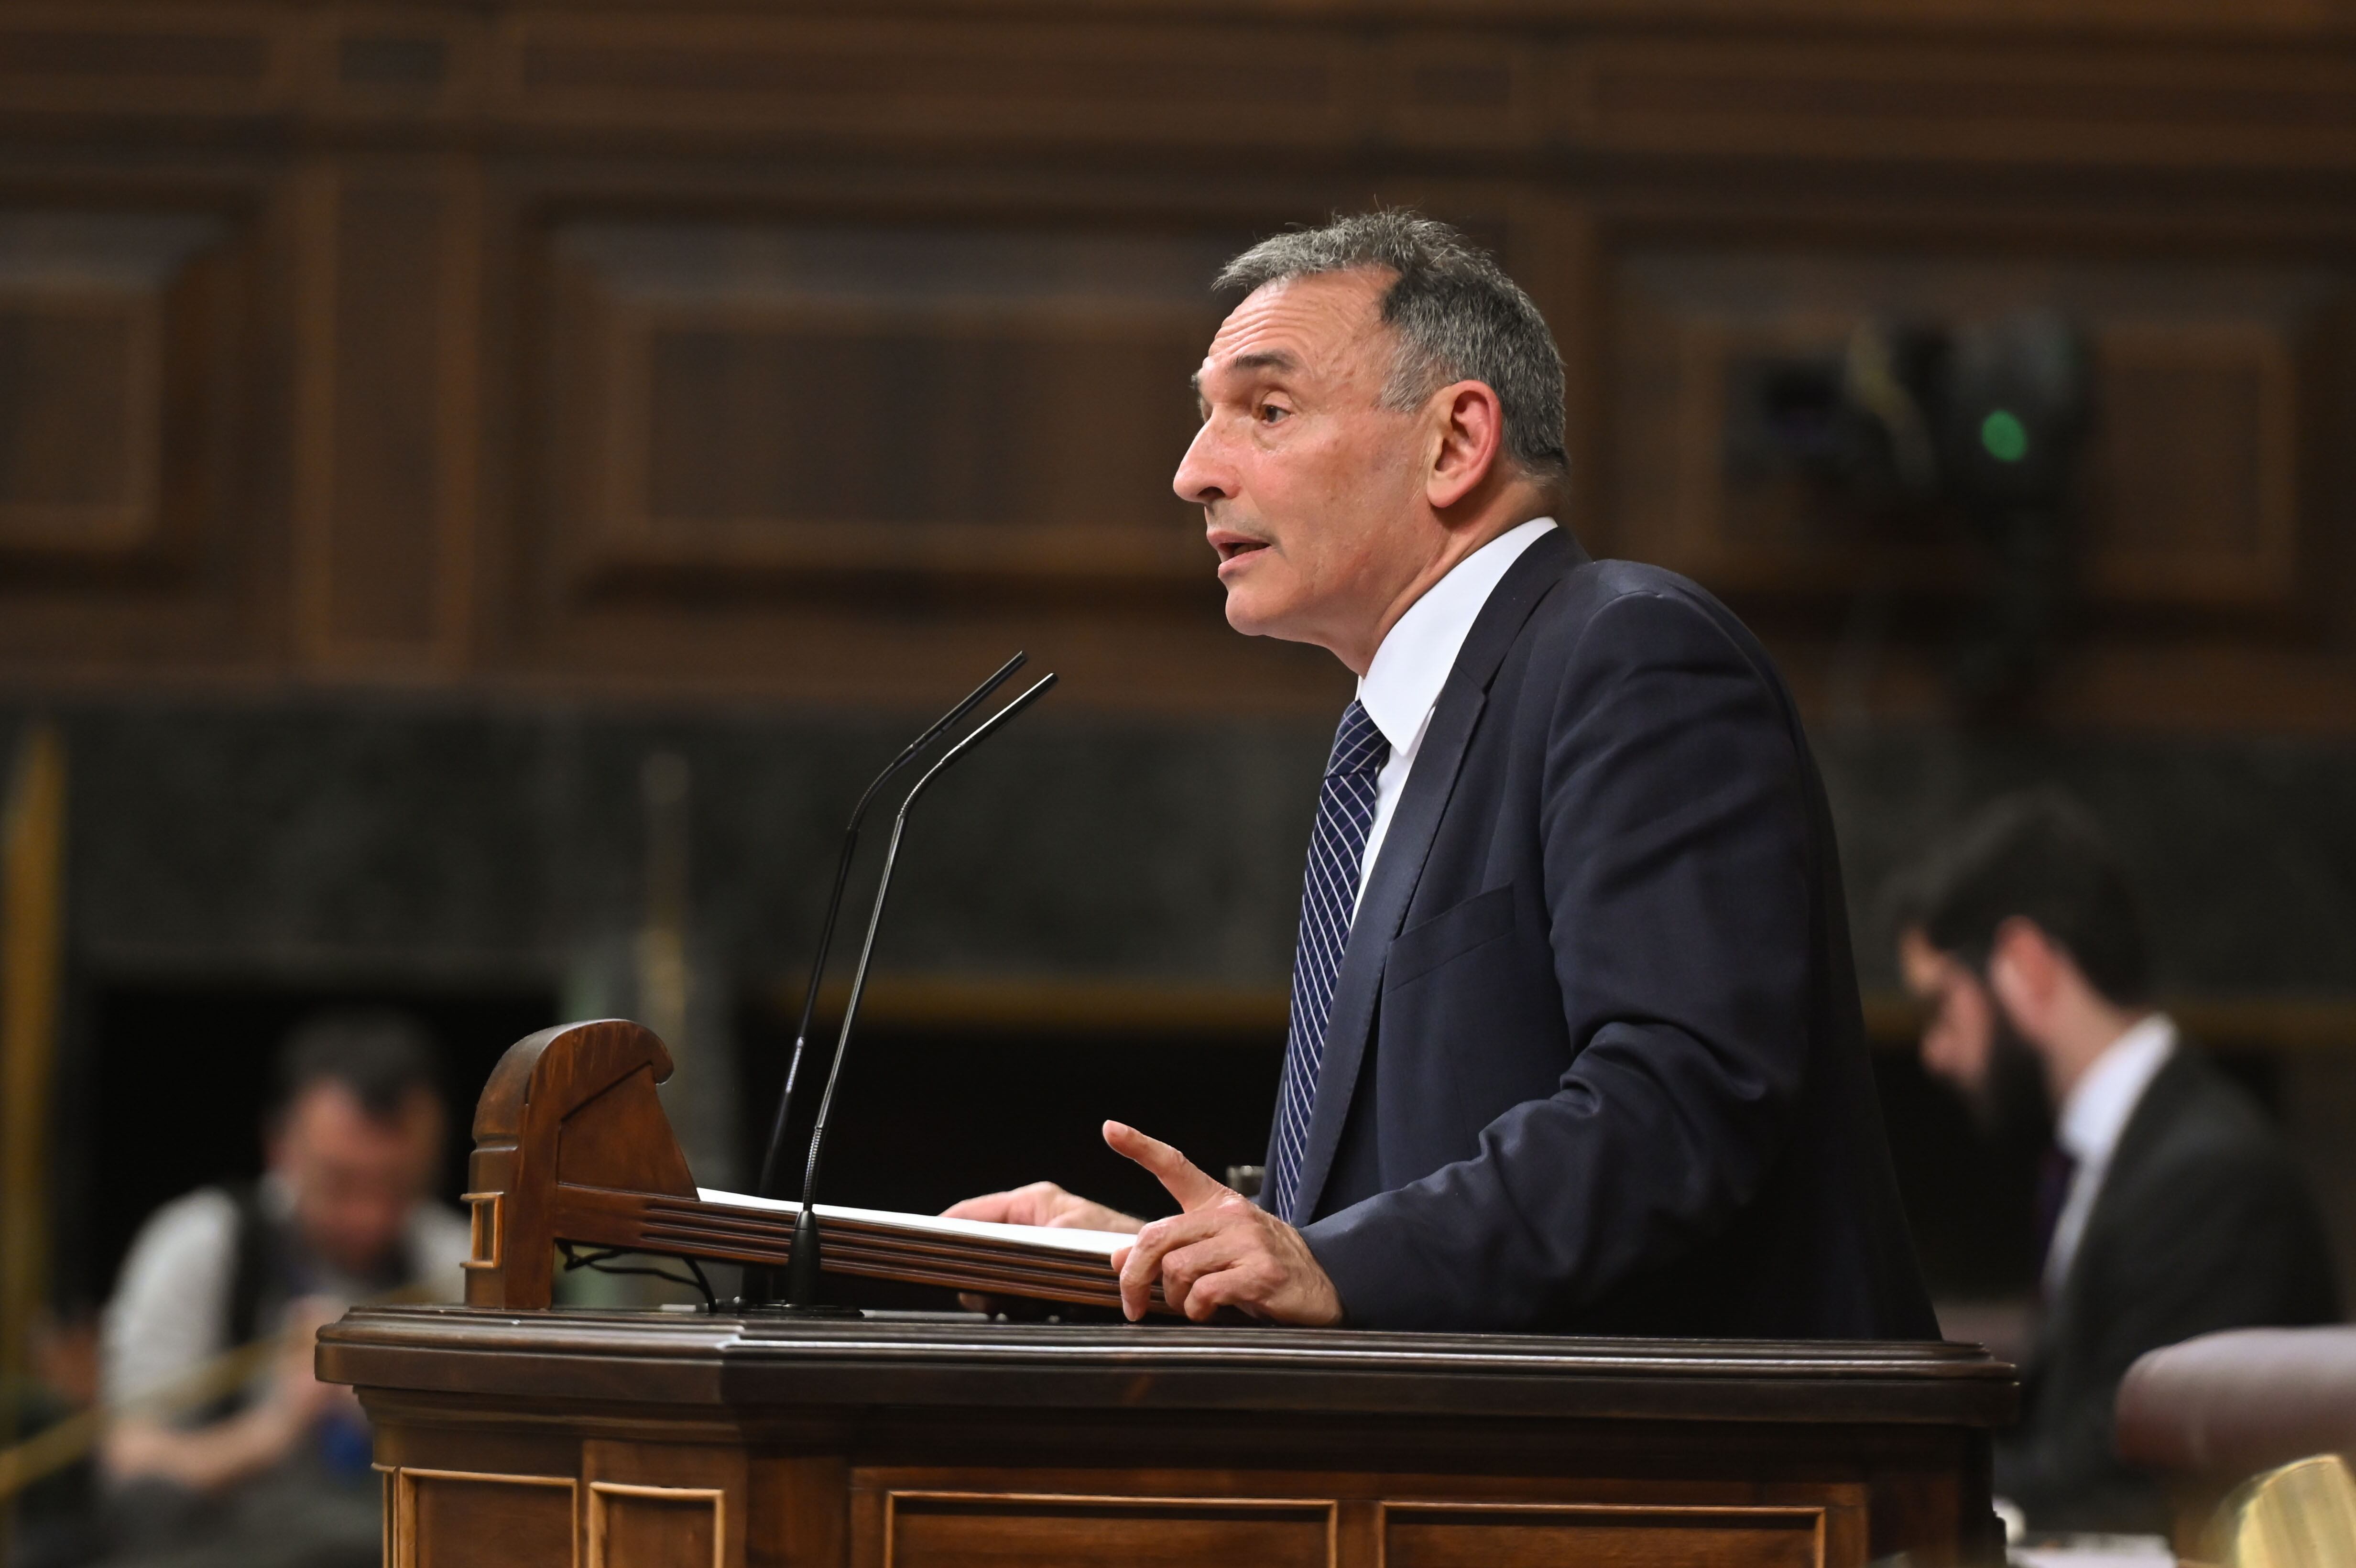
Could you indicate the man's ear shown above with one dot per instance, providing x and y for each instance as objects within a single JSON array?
[
  {"x": 1471, "y": 435},
  {"x": 2024, "y": 969}
]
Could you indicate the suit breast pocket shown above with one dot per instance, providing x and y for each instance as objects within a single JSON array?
[{"x": 1449, "y": 936}]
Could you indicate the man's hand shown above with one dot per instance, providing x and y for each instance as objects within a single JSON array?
[
  {"x": 1042, "y": 1203},
  {"x": 212, "y": 1458},
  {"x": 1224, "y": 1250},
  {"x": 295, "y": 1386}
]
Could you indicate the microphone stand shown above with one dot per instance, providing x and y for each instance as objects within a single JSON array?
[
  {"x": 756, "y": 1282},
  {"x": 802, "y": 1266}
]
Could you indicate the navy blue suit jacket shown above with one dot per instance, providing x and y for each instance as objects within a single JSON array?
[{"x": 1596, "y": 1061}]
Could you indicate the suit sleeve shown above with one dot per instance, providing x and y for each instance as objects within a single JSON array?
[
  {"x": 1676, "y": 874},
  {"x": 2226, "y": 1240}
]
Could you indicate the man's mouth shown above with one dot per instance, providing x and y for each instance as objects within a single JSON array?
[{"x": 1233, "y": 546}]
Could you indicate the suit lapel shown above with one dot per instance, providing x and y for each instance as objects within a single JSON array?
[
  {"x": 2147, "y": 1124},
  {"x": 1429, "y": 784}
]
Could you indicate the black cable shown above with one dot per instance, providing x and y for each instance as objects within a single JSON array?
[{"x": 601, "y": 1262}]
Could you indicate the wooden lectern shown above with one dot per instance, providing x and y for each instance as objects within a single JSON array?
[{"x": 516, "y": 1434}]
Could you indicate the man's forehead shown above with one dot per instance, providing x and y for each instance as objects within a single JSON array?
[{"x": 1312, "y": 323}]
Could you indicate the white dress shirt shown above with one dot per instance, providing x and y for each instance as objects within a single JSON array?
[
  {"x": 170, "y": 1311},
  {"x": 2093, "y": 1118},
  {"x": 1402, "y": 685}
]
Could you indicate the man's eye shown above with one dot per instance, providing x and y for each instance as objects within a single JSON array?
[{"x": 1269, "y": 413}]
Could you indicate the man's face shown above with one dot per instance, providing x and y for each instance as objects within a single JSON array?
[
  {"x": 355, "y": 1178},
  {"x": 1309, "y": 487},
  {"x": 1972, "y": 1043},
  {"x": 1959, "y": 1037}
]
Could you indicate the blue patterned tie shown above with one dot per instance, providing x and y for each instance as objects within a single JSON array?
[{"x": 1345, "y": 810}]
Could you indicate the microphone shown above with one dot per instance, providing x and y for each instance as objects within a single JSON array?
[
  {"x": 802, "y": 1266},
  {"x": 972, "y": 699}
]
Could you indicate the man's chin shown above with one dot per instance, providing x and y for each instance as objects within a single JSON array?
[
  {"x": 1260, "y": 608},
  {"x": 1249, "y": 613}
]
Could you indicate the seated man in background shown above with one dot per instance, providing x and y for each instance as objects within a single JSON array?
[
  {"x": 2168, "y": 1208},
  {"x": 278, "y": 1472}
]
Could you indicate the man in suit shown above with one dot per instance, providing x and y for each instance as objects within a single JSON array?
[
  {"x": 1575, "y": 1042},
  {"x": 2170, "y": 1207}
]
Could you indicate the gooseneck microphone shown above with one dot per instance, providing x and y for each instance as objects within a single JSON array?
[
  {"x": 972, "y": 699},
  {"x": 802, "y": 1280}
]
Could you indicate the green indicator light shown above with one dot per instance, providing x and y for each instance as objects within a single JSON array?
[{"x": 2004, "y": 437}]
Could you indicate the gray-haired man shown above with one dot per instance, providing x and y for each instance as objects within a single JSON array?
[{"x": 1575, "y": 1041}]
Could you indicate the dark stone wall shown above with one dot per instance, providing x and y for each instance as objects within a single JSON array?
[
  {"x": 340, "y": 838},
  {"x": 321, "y": 838}
]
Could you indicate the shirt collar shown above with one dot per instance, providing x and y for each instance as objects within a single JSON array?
[
  {"x": 1404, "y": 680},
  {"x": 2097, "y": 1110}
]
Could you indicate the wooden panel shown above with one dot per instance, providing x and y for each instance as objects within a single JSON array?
[
  {"x": 1965, "y": 102},
  {"x": 469, "y": 1519},
  {"x": 936, "y": 444},
  {"x": 983, "y": 1530},
  {"x": 87, "y": 307},
  {"x": 1495, "y": 1535},
  {"x": 389, "y": 64},
  {"x": 814, "y": 400},
  {"x": 1454, "y": 88},
  {"x": 157, "y": 58},
  {"x": 2193, "y": 495},
  {"x": 2195, "y": 465},
  {"x": 386, "y": 493},
  {"x": 667, "y": 1505},
  {"x": 904, "y": 78},
  {"x": 657, "y": 1527},
  {"x": 584, "y": 266}
]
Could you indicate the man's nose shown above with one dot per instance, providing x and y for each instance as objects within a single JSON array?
[{"x": 1204, "y": 476}]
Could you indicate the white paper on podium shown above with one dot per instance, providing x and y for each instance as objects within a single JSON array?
[{"x": 1096, "y": 1243}]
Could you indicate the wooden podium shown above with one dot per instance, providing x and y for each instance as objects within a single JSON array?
[
  {"x": 678, "y": 1440},
  {"x": 513, "y": 1434}
]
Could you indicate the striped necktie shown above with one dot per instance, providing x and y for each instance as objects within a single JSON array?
[{"x": 1329, "y": 896}]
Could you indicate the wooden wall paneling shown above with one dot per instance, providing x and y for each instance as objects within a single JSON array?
[
  {"x": 135, "y": 508},
  {"x": 84, "y": 302},
  {"x": 377, "y": 66},
  {"x": 2195, "y": 465},
  {"x": 2193, "y": 497},
  {"x": 387, "y": 432},
  {"x": 150, "y": 59},
  {"x": 941, "y": 438},
  {"x": 1462, "y": 90},
  {"x": 1963, "y": 100},
  {"x": 819, "y": 400},
  {"x": 950, "y": 83},
  {"x": 1557, "y": 253},
  {"x": 639, "y": 543}
]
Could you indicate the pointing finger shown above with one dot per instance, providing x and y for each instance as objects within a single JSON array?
[{"x": 1186, "y": 1181}]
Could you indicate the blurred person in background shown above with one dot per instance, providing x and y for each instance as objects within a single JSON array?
[
  {"x": 278, "y": 1473},
  {"x": 2167, "y": 1206},
  {"x": 52, "y": 1523}
]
